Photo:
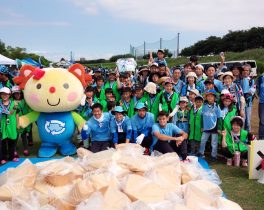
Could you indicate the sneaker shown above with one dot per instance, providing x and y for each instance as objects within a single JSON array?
[
  {"x": 147, "y": 151},
  {"x": 26, "y": 152},
  {"x": 3, "y": 162},
  {"x": 15, "y": 159},
  {"x": 229, "y": 162},
  {"x": 244, "y": 163}
]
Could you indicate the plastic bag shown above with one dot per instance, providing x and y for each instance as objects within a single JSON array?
[
  {"x": 4, "y": 205},
  {"x": 62, "y": 172},
  {"x": 32, "y": 203},
  {"x": 94, "y": 202},
  {"x": 16, "y": 181},
  {"x": 126, "y": 64}
]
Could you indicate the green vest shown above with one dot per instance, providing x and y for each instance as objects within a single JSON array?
[
  {"x": 154, "y": 106},
  {"x": 226, "y": 125},
  {"x": 114, "y": 88},
  {"x": 240, "y": 146},
  {"x": 195, "y": 124},
  {"x": 168, "y": 106},
  {"x": 130, "y": 109},
  {"x": 227, "y": 119},
  {"x": 9, "y": 130},
  {"x": 23, "y": 109}
]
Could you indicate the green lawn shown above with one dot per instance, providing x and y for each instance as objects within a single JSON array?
[
  {"x": 249, "y": 194},
  {"x": 254, "y": 54},
  {"x": 235, "y": 183}
]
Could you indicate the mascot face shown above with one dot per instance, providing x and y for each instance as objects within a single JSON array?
[{"x": 53, "y": 89}]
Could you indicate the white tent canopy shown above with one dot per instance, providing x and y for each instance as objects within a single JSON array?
[{"x": 6, "y": 61}]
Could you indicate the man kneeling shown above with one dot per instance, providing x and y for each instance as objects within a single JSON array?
[{"x": 167, "y": 137}]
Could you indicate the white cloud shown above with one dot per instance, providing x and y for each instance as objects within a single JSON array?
[{"x": 179, "y": 15}]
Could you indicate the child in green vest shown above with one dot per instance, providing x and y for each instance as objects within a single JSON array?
[
  {"x": 236, "y": 141},
  {"x": 99, "y": 91},
  {"x": 127, "y": 102},
  {"x": 168, "y": 99},
  {"x": 228, "y": 110},
  {"x": 195, "y": 122},
  {"x": 153, "y": 99},
  {"x": 113, "y": 83},
  {"x": 22, "y": 109},
  {"x": 8, "y": 126}
]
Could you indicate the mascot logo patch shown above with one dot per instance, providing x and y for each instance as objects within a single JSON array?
[{"x": 55, "y": 127}]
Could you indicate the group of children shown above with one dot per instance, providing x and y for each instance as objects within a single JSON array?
[{"x": 168, "y": 110}]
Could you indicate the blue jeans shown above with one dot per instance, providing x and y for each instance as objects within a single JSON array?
[
  {"x": 261, "y": 121},
  {"x": 214, "y": 143},
  {"x": 248, "y": 110}
]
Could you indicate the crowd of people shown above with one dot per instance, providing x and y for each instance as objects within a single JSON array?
[{"x": 163, "y": 109}]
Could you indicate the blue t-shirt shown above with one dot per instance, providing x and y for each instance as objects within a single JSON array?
[
  {"x": 218, "y": 84},
  {"x": 210, "y": 114},
  {"x": 142, "y": 125},
  {"x": 248, "y": 85},
  {"x": 178, "y": 87},
  {"x": 169, "y": 130},
  {"x": 99, "y": 131},
  {"x": 160, "y": 61}
]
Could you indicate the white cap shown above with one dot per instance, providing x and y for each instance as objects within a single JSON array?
[
  {"x": 5, "y": 90},
  {"x": 225, "y": 91},
  {"x": 151, "y": 88},
  {"x": 191, "y": 74},
  {"x": 184, "y": 99},
  {"x": 195, "y": 91},
  {"x": 15, "y": 89}
]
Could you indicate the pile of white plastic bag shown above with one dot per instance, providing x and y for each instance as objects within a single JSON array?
[{"x": 114, "y": 179}]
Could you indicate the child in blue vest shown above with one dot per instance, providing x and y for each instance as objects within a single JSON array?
[
  {"x": 120, "y": 126},
  {"x": 211, "y": 122}
]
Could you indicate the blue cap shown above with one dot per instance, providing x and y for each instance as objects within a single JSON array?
[
  {"x": 118, "y": 109},
  {"x": 3, "y": 69},
  {"x": 140, "y": 105},
  {"x": 212, "y": 91}
]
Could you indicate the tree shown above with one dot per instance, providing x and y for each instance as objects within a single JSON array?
[{"x": 236, "y": 41}]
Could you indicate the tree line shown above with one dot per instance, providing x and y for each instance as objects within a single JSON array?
[
  {"x": 233, "y": 41},
  {"x": 20, "y": 53}
]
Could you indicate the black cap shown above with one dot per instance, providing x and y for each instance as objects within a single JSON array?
[{"x": 208, "y": 81}]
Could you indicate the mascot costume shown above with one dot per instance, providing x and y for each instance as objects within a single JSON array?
[{"x": 53, "y": 93}]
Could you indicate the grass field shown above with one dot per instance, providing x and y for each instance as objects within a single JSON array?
[
  {"x": 254, "y": 54},
  {"x": 235, "y": 183}
]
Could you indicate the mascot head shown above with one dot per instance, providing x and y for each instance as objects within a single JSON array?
[{"x": 52, "y": 89}]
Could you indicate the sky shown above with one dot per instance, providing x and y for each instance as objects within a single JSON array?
[{"x": 101, "y": 28}]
